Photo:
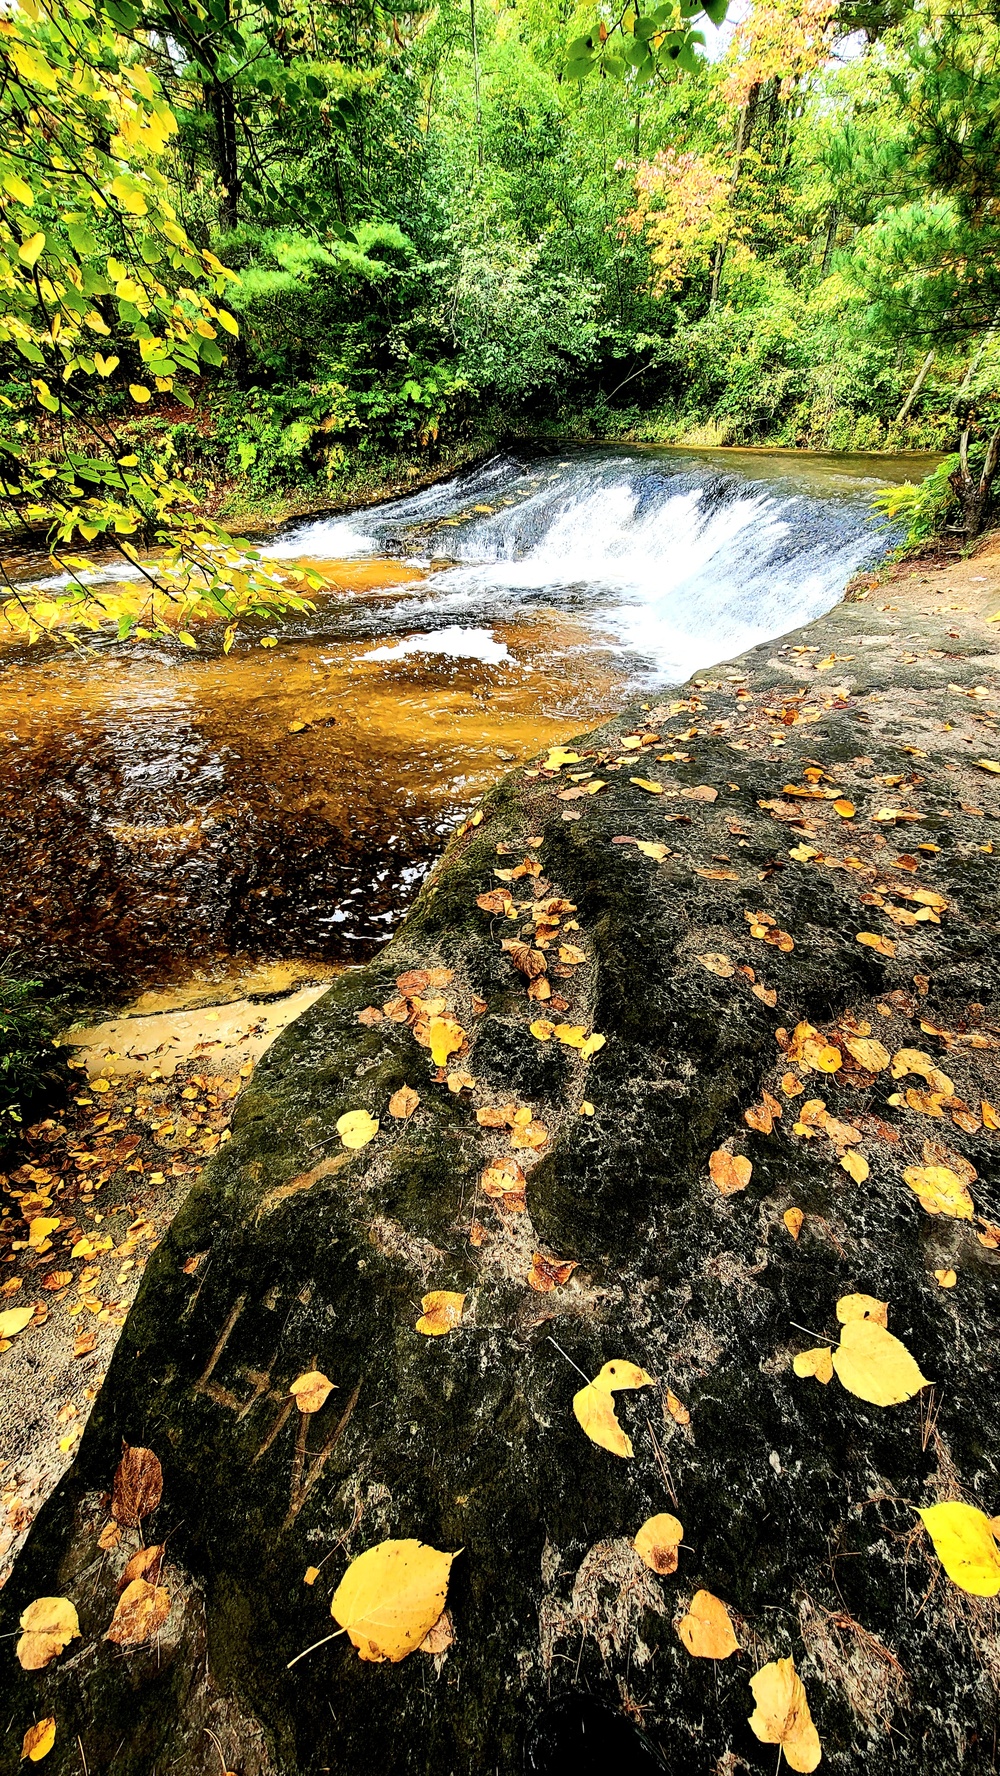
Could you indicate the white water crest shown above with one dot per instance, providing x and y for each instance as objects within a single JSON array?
[
  {"x": 454, "y": 642},
  {"x": 677, "y": 559}
]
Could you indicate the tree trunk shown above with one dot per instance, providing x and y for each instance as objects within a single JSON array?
[
  {"x": 831, "y": 239},
  {"x": 918, "y": 383},
  {"x": 227, "y": 160},
  {"x": 975, "y": 494},
  {"x": 295, "y": 1253}
]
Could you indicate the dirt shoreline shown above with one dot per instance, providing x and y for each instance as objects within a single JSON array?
[{"x": 824, "y": 785}]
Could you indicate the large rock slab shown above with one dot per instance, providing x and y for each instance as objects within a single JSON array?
[{"x": 798, "y": 1500}]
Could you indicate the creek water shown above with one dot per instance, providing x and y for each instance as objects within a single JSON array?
[{"x": 266, "y": 816}]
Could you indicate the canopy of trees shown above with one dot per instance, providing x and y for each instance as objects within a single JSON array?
[{"x": 256, "y": 245}]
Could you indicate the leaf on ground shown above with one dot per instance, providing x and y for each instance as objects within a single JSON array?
[
  {"x": 39, "y": 1740},
  {"x": 658, "y": 1541},
  {"x": 403, "y": 1102},
  {"x": 873, "y": 941},
  {"x": 503, "y": 1181},
  {"x": 594, "y": 1405},
  {"x": 707, "y": 1630},
  {"x": 764, "y": 1115},
  {"x": 417, "y": 980},
  {"x": 459, "y": 1081},
  {"x": 855, "y": 1164},
  {"x": 677, "y": 1409},
  {"x": 442, "y": 1312},
  {"x": 817, "y": 1363},
  {"x": 862, "y": 1307},
  {"x": 572, "y": 955},
  {"x": 965, "y": 1541},
  {"x": 370, "y": 1016},
  {"x": 702, "y": 792},
  {"x": 141, "y": 1612},
  {"x": 527, "y": 961},
  {"x": 782, "y": 1716},
  {"x": 867, "y": 1052},
  {"x": 446, "y": 1037},
  {"x": 356, "y": 1128},
  {"x": 791, "y": 1085},
  {"x": 988, "y": 765},
  {"x": 729, "y": 1171},
  {"x": 940, "y": 1191},
  {"x": 767, "y": 995},
  {"x": 496, "y": 901},
  {"x": 650, "y": 848},
  {"x": 914, "y": 1060},
  {"x": 138, "y": 1486},
  {"x": 439, "y": 1638},
  {"x": 390, "y": 1597},
  {"x": 646, "y": 784},
  {"x": 14, "y": 1320},
  {"x": 946, "y": 1279},
  {"x": 57, "y": 1279},
  {"x": 991, "y": 1117},
  {"x": 844, "y": 808},
  {"x": 875, "y": 1366},
  {"x": 145, "y": 1564},
  {"x": 549, "y": 1273},
  {"x": 49, "y": 1624},
  {"x": 311, "y": 1390},
  {"x": 793, "y": 1219},
  {"x": 717, "y": 963}
]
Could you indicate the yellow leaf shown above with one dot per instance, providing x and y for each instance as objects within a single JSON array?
[
  {"x": 659, "y": 853},
  {"x": 941, "y": 1191},
  {"x": 29, "y": 250},
  {"x": 14, "y": 1320},
  {"x": 105, "y": 365},
  {"x": 988, "y": 765},
  {"x": 647, "y": 784},
  {"x": 558, "y": 756},
  {"x": 142, "y": 1610},
  {"x": 707, "y": 1630},
  {"x": 844, "y": 808},
  {"x": 782, "y": 1716},
  {"x": 311, "y": 1390},
  {"x": 310, "y": 1575},
  {"x": 49, "y": 1624},
  {"x": 946, "y": 1279},
  {"x": 591, "y": 1045},
  {"x": 390, "y": 1597},
  {"x": 872, "y": 941},
  {"x": 818, "y": 1363},
  {"x": 729, "y": 1171},
  {"x": 793, "y": 1219},
  {"x": 39, "y": 1229},
  {"x": 862, "y": 1307},
  {"x": 875, "y": 1366},
  {"x": 443, "y": 1310},
  {"x": 22, "y": 193},
  {"x": 717, "y": 963},
  {"x": 867, "y": 1052},
  {"x": 139, "y": 392},
  {"x": 658, "y": 1541},
  {"x": 356, "y": 1128},
  {"x": 594, "y": 1405},
  {"x": 965, "y": 1543},
  {"x": 446, "y": 1038},
  {"x": 39, "y": 1739},
  {"x": 403, "y": 1103},
  {"x": 677, "y": 1409}
]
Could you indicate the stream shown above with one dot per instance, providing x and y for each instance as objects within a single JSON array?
[{"x": 172, "y": 821}]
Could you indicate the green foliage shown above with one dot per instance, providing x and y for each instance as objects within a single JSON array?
[
  {"x": 31, "y": 1071},
  {"x": 926, "y": 506}
]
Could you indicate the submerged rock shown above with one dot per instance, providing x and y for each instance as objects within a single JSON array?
[{"x": 742, "y": 1016}]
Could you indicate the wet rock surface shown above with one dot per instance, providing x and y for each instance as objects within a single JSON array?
[{"x": 798, "y": 1500}]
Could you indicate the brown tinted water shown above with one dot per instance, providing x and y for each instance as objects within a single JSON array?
[{"x": 168, "y": 816}]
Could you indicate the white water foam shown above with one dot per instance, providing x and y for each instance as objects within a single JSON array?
[{"x": 454, "y": 642}]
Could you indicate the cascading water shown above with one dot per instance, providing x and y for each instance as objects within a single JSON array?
[{"x": 677, "y": 562}]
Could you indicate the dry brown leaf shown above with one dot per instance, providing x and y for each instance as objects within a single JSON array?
[
  {"x": 782, "y": 1716},
  {"x": 658, "y": 1541},
  {"x": 49, "y": 1624},
  {"x": 677, "y": 1409},
  {"x": 872, "y": 941},
  {"x": 442, "y": 1312},
  {"x": 141, "y": 1612},
  {"x": 145, "y": 1564},
  {"x": 495, "y": 1116},
  {"x": 438, "y": 1639},
  {"x": 729, "y": 1171},
  {"x": 549, "y": 1273},
  {"x": 496, "y": 901},
  {"x": 460, "y": 1081},
  {"x": 84, "y": 1344},
  {"x": 138, "y": 1486},
  {"x": 403, "y": 1103},
  {"x": 867, "y": 1052},
  {"x": 791, "y": 1085},
  {"x": 311, "y": 1391},
  {"x": 767, "y": 995},
  {"x": 478, "y": 1234},
  {"x": 39, "y": 1740},
  {"x": 764, "y": 1115},
  {"x": 57, "y": 1279},
  {"x": 370, "y": 1016},
  {"x": 707, "y": 1630},
  {"x": 415, "y": 980},
  {"x": 793, "y": 1219},
  {"x": 540, "y": 989},
  {"x": 526, "y": 960},
  {"x": 109, "y": 1537},
  {"x": 702, "y": 792},
  {"x": 503, "y": 1181}
]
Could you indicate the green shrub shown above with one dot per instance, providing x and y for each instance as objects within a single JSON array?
[{"x": 32, "y": 1072}]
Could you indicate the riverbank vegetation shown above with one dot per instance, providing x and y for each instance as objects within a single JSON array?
[{"x": 262, "y": 256}]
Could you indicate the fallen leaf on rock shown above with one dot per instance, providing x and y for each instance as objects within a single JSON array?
[
  {"x": 442, "y": 1312},
  {"x": 84, "y": 1344},
  {"x": 540, "y": 989},
  {"x": 946, "y": 1279},
  {"x": 495, "y": 1116},
  {"x": 594, "y": 1405},
  {"x": 729, "y": 1171},
  {"x": 356, "y": 1128},
  {"x": 717, "y": 963},
  {"x": 109, "y": 1537},
  {"x": 403, "y": 1102},
  {"x": 310, "y": 1575},
  {"x": 39, "y": 1739},
  {"x": 875, "y": 1366},
  {"x": 651, "y": 848},
  {"x": 138, "y": 1486},
  {"x": 793, "y": 1219},
  {"x": 496, "y": 901},
  {"x": 549, "y": 1273},
  {"x": 416, "y": 980},
  {"x": 558, "y": 756},
  {"x": 991, "y": 1117},
  {"x": 49, "y": 1624},
  {"x": 311, "y": 1390},
  {"x": 460, "y": 1081},
  {"x": 872, "y": 941},
  {"x": 791, "y": 1085},
  {"x": 764, "y": 1115},
  {"x": 965, "y": 1541},
  {"x": 39, "y": 1228},
  {"x": 707, "y": 1630},
  {"x": 57, "y": 1279},
  {"x": 702, "y": 792},
  {"x": 145, "y": 1564},
  {"x": 370, "y": 1016},
  {"x": 14, "y": 1319},
  {"x": 677, "y": 1409},
  {"x": 782, "y": 1716},
  {"x": 529, "y": 1134},
  {"x": 817, "y": 1362},
  {"x": 988, "y": 765},
  {"x": 572, "y": 955},
  {"x": 862, "y": 1307},
  {"x": 141, "y": 1612},
  {"x": 586, "y": 1108},
  {"x": 914, "y": 1060},
  {"x": 767, "y": 995},
  {"x": 445, "y": 1038},
  {"x": 503, "y": 1181},
  {"x": 940, "y": 1191},
  {"x": 438, "y": 1639},
  {"x": 526, "y": 960},
  {"x": 646, "y": 784},
  {"x": 867, "y": 1052},
  {"x": 658, "y": 1541},
  {"x": 844, "y": 808},
  {"x": 855, "y": 1164},
  {"x": 390, "y": 1597},
  {"x": 478, "y": 1234}
]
